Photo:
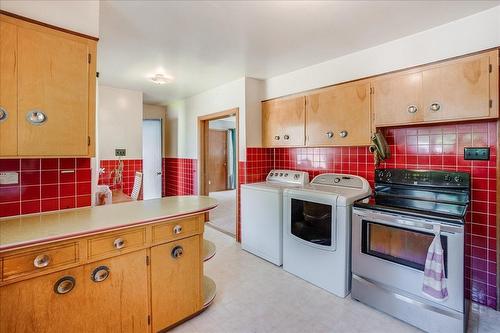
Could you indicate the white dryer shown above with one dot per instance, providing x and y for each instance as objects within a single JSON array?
[
  {"x": 317, "y": 230},
  {"x": 262, "y": 213}
]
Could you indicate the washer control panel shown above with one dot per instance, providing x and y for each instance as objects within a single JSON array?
[{"x": 288, "y": 177}]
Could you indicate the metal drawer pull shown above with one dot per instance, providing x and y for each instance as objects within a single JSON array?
[
  {"x": 41, "y": 261},
  {"x": 177, "y": 229},
  {"x": 100, "y": 274},
  {"x": 3, "y": 114},
  {"x": 329, "y": 134},
  {"x": 36, "y": 117},
  {"x": 177, "y": 251},
  {"x": 412, "y": 108},
  {"x": 64, "y": 285},
  {"x": 119, "y": 243},
  {"x": 276, "y": 137},
  {"x": 286, "y": 137},
  {"x": 343, "y": 133},
  {"x": 434, "y": 107}
]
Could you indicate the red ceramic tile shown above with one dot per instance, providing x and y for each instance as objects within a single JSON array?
[
  {"x": 30, "y": 164},
  {"x": 83, "y": 201},
  {"x": 10, "y": 209},
  {"x": 67, "y": 190},
  {"x": 49, "y": 205},
  {"x": 67, "y": 163},
  {"x": 10, "y": 194},
  {"x": 83, "y": 163},
  {"x": 49, "y": 176},
  {"x": 49, "y": 191},
  {"x": 83, "y": 188},
  {"x": 30, "y": 177},
  {"x": 30, "y": 207},
  {"x": 67, "y": 177},
  {"x": 10, "y": 164},
  {"x": 50, "y": 163},
  {"x": 83, "y": 175},
  {"x": 66, "y": 203},
  {"x": 30, "y": 192}
]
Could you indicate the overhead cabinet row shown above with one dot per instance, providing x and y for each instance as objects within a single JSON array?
[
  {"x": 346, "y": 114},
  {"x": 47, "y": 91}
]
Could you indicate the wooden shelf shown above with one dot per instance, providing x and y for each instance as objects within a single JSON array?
[
  {"x": 208, "y": 250},
  {"x": 209, "y": 291}
]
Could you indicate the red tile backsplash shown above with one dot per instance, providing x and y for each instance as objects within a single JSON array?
[
  {"x": 130, "y": 167},
  {"x": 436, "y": 147},
  {"x": 180, "y": 176},
  {"x": 46, "y": 184}
]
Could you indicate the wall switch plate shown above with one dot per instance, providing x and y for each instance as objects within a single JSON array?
[
  {"x": 477, "y": 153},
  {"x": 7, "y": 178},
  {"x": 120, "y": 152}
]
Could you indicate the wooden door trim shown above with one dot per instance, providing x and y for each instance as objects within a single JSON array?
[{"x": 202, "y": 152}]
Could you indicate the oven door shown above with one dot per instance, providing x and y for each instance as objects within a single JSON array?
[
  {"x": 391, "y": 249},
  {"x": 311, "y": 219}
]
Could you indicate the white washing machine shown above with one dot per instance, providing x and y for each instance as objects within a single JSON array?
[
  {"x": 262, "y": 213},
  {"x": 317, "y": 230}
]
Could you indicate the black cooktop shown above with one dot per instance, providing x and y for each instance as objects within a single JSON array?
[{"x": 426, "y": 193}]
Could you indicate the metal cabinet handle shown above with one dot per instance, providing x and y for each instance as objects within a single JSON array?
[
  {"x": 343, "y": 133},
  {"x": 412, "y": 108},
  {"x": 3, "y": 114},
  {"x": 276, "y": 137},
  {"x": 177, "y": 252},
  {"x": 119, "y": 243},
  {"x": 286, "y": 137},
  {"x": 434, "y": 107},
  {"x": 177, "y": 229},
  {"x": 36, "y": 117},
  {"x": 64, "y": 285},
  {"x": 41, "y": 261},
  {"x": 329, "y": 134},
  {"x": 100, "y": 274}
]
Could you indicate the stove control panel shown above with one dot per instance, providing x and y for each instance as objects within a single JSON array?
[
  {"x": 435, "y": 178},
  {"x": 288, "y": 177}
]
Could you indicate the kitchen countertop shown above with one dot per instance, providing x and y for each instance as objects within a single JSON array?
[{"x": 21, "y": 231}]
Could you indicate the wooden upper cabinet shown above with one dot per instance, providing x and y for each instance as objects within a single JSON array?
[
  {"x": 397, "y": 99},
  {"x": 339, "y": 115},
  {"x": 8, "y": 89},
  {"x": 49, "y": 89},
  {"x": 283, "y": 122},
  {"x": 460, "y": 90}
]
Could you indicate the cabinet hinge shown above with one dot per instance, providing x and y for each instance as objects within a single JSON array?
[
  {"x": 491, "y": 103},
  {"x": 149, "y": 319},
  {"x": 90, "y": 58},
  {"x": 88, "y": 141},
  {"x": 491, "y": 68},
  {"x": 147, "y": 260},
  {"x": 372, "y": 90}
]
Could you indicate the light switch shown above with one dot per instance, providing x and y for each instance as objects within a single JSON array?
[{"x": 7, "y": 178}]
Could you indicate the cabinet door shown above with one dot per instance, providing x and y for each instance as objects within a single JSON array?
[
  {"x": 118, "y": 303},
  {"x": 339, "y": 116},
  {"x": 53, "y": 74},
  {"x": 175, "y": 281},
  {"x": 8, "y": 89},
  {"x": 34, "y": 306},
  {"x": 283, "y": 122},
  {"x": 397, "y": 99},
  {"x": 457, "y": 91}
]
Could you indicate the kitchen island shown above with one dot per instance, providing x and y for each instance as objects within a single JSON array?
[{"x": 130, "y": 267}]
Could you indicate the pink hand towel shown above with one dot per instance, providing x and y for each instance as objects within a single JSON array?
[{"x": 434, "y": 284}]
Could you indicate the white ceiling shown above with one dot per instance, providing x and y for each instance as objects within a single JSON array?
[{"x": 204, "y": 44}]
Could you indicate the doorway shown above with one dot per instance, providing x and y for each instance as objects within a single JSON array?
[
  {"x": 218, "y": 162},
  {"x": 152, "y": 158}
]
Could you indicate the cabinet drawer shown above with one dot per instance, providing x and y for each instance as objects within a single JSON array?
[
  {"x": 115, "y": 243},
  {"x": 177, "y": 229},
  {"x": 38, "y": 260}
]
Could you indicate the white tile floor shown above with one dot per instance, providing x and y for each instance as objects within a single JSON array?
[
  {"x": 224, "y": 216},
  {"x": 256, "y": 296}
]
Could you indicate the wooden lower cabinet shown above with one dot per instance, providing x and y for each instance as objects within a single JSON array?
[
  {"x": 33, "y": 305},
  {"x": 119, "y": 303},
  {"x": 176, "y": 271}
]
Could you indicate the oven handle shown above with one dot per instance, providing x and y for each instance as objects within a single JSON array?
[{"x": 396, "y": 220}]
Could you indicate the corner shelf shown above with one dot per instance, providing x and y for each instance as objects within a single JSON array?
[{"x": 209, "y": 291}]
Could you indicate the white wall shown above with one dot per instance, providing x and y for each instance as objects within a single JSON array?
[
  {"x": 120, "y": 113},
  {"x": 158, "y": 112},
  {"x": 254, "y": 94},
  {"x": 77, "y": 15},
  {"x": 473, "y": 33}
]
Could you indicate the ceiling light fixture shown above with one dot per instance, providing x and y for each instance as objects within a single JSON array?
[{"x": 162, "y": 79}]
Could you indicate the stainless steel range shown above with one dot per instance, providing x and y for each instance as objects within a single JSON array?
[{"x": 391, "y": 235}]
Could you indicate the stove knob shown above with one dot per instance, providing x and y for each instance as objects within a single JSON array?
[
  {"x": 271, "y": 174},
  {"x": 281, "y": 174},
  {"x": 457, "y": 179},
  {"x": 388, "y": 174},
  {"x": 447, "y": 178},
  {"x": 296, "y": 176},
  {"x": 336, "y": 180},
  {"x": 286, "y": 175}
]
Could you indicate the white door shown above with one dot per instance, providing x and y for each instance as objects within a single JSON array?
[{"x": 151, "y": 154}]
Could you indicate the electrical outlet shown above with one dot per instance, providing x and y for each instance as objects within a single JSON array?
[
  {"x": 120, "y": 152},
  {"x": 477, "y": 153},
  {"x": 8, "y": 178}
]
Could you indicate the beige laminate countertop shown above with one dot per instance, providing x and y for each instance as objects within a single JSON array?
[{"x": 27, "y": 230}]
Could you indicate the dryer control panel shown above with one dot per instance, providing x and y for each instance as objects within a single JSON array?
[
  {"x": 333, "y": 179},
  {"x": 288, "y": 177}
]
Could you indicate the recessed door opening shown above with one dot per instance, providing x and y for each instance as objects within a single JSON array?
[
  {"x": 219, "y": 161},
  {"x": 152, "y": 158}
]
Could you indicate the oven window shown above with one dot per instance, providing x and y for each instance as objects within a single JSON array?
[
  {"x": 312, "y": 222},
  {"x": 399, "y": 245}
]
